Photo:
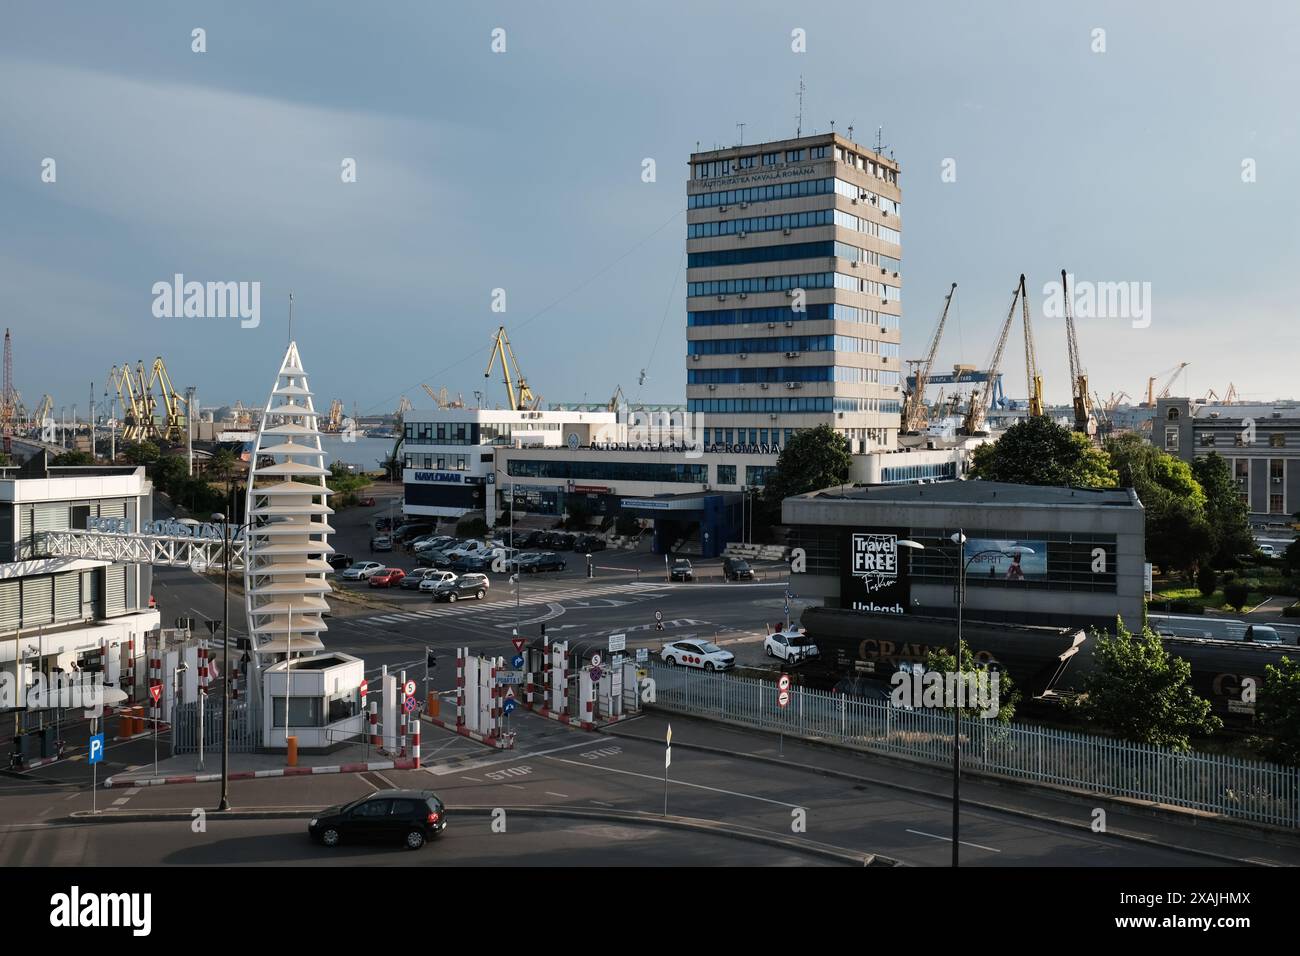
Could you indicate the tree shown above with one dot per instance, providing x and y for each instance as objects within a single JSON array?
[
  {"x": 73, "y": 458},
  {"x": 1037, "y": 451},
  {"x": 1236, "y": 595},
  {"x": 943, "y": 661},
  {"x": 141, "y": 453},
  {"x": 1178, "y": 533},
  {"x": 1279, "y": 710},
  {"x": 813, "y": 458},
  {"x": 1140, "y": 691},
  {"x": 1207, "y": 581},
  {"x": 223, "y": 465},
  {"x": 1227, "y": 514}
]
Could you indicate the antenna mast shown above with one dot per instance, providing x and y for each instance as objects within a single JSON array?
[{"x": 798, "y": 131}]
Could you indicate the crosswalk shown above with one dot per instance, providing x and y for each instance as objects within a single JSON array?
[{"x": 547, "y": 597}]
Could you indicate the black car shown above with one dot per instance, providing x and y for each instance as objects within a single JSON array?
[
  {"x": 340, "y": 562},
  {"x": 544, "y": 561},
  {"x": 587, "y": 543},
  {"x": 405, "y": 532},
  {"x": 533, "y": 539},
  {"x": 735, "y": 569},
  {"x": 466, "y": 586},
  {"x": 559, "y": 541},
  {"x": 471, "y": 562},
  {"x": 408, "y": 817},
  {"x": 681, "y": 571}
]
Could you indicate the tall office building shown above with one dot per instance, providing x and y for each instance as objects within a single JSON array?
[{"x": 794, "y": 289}]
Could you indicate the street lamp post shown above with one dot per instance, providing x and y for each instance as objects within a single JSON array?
[
  {"x": 225, "y": 656},
  {"x": 962, "y": 564}
]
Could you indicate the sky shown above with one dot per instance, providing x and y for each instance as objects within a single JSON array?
[{"x": 1162, "y": 151}]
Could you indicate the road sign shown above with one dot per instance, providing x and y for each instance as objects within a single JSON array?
[
  {"x": 156, "y": 692},
  {"x": 409, "y": 687},
  {"x": 595, "y": 660},
  {"x": 519, "y": 643},
  {"x": 510, "y": 692},
  {"x": 642, "y": 655},
  {"x": 517, "y": 661},
  {"x": 96, "y": 748},
  {"x": 783, "y": 698},
  {"x": 597, "y": 673},
  {"x": 617, "y": 642},
  {"x": 411, "y": 704},
  {"x": 365, "y": 688},
  {"x": 213, "y": 671},
  {"x": 509, "y": 706},
  {"x": 659, "y": 615},
  {"x": 784, "y": 682},
  {"x": 616, "y": 660},
  {"x": 510, "y": 677}
]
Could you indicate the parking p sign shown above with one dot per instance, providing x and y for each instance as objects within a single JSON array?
[{"x": 96, "y": 748}]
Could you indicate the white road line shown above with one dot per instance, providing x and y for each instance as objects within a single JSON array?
[
  {"x": 549, "y": 793},
  {"x": 515, "y": 785},
  {"x": 935, "y": 836},
  {"x": 509, "y": 758},
  {"x": 385, "y": 779},
  {"x": 680, "y": 783}
]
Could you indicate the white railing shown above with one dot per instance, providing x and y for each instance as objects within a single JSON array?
[{"x": 1232, "y": 786}]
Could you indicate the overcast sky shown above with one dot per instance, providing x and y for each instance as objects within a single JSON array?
[{"x": 522, "y": 170}]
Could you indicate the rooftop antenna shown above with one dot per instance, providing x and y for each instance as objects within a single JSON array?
[
  {"x": 291, "y": 317},
  {"x": 798, "y": 131},
  {"x": 742, "y": 133},
  {"x": 880, "y": 133},
  {"x": 832, "y": 126},
  {"x": 850, "y": 131}
]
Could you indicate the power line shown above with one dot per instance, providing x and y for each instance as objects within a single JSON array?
[{"x": 672, "y": 293}]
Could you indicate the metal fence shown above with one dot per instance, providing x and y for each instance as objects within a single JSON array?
[
  {"x": 245, "y": 727},
  {"x": 1243, "y": 789}
]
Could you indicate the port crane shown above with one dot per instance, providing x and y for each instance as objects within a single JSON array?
[
  {"x": 441, "y": 399},
  {"x": 977, "y": 412},
  {"x": 520, "y": 395},
  {"x": 135, "y": 392},
  {"x": 914, "y": 410},
  {"x": 1173, "y": 374},
  {"x": 1033, "y": 376},
  {"x": 1083, "y": 419}
]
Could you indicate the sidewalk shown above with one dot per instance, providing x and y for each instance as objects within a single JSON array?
[{"x": 184, "y": 768}]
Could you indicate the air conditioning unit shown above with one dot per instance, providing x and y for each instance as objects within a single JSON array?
[
  {"x": 744, "y": 205},
  {"x": 771, "y": 325},
  {"x": 705, "y": 487},
  {"x": 762, "y": 385},
  {"x": 744, "y": 355},
  {"x": 789, "y": 324},
  {"x": 895, "y": 275},
  {"x": 789, "y": 293},
  {"x": 740, "y": 235},
  {"x": 722, "y": 209},
  {"x": 722, "y": 298},
  {"x": 791, "y": 354},
  {"x": 1277, "y": 481},
  {"x": 853, "y": 201},
  {"x": 883, "y": 270},
  {"x": 695, "y": 358},
  {"x": 772, "y": 416},
  {"x": 785, "y": 232},
  {"x": 713, "y": 388},
  {"x": 744, "y": 295},
  {"x": 855, "y": 263}
]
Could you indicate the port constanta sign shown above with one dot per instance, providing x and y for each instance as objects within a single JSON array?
[{"x": 168, "y": 528}]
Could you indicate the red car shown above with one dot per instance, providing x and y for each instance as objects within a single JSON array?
[
  {"x": 387, "y": 578},
  {"x": 367, "y": 502}
]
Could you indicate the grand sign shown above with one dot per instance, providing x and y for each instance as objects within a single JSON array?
[{"x": 873, "y": 576}]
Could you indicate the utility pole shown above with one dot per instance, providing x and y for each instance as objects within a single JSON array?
[
  {"x": 189, "y": 430},
  {"x": 90, "y": 417}
]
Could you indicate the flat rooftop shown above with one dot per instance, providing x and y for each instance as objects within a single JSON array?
[{"x": 980, "y": 492}]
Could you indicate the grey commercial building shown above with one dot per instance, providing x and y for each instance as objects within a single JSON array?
[
  {"x": 1087, "y": 566},
  {"x": 1261, "y": 444}
]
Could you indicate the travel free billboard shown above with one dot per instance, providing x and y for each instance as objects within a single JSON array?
[{"x": 873, "y": 572}]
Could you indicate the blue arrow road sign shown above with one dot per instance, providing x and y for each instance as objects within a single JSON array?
[
  {"x": 96, "y": 748},
  {"x": 517, "y": 661},
  {"x": 508, "y": 706}
]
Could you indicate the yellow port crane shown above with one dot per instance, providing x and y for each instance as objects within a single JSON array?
[
  {"x": 1033, "y": 376},
  {"x": 135, "y": 392},
  {"x": 977, "y": 412},
  {"x": 441, "y": 398},
  {"x": 1083, "y": 419},
  {"x": 176, "y": 409},
  {"x": 520, "y": 395},
  {"x": 1173, "y": 374},
  {"x": 915, "y": 415}
]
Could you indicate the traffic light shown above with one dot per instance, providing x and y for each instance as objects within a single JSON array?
[{"x": 429, "y": 659}]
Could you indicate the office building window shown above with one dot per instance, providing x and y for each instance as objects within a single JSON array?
[
  {"x": 726, "y": 474},
  {"x": 1171, "y": 439},
  {"x": 1277, "y": 440}
]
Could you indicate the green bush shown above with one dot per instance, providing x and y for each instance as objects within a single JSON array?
[
  {"x": 1236, "y": 595},
  {"x": 1291, "y": 611},
  {"x": 1185, "y": 606},
  {"x": 1207, "y": 582},
  {"x": 1229, "y": 577}
]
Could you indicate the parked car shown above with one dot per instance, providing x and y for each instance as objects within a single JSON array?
[
  {"x": 469, "y": 546},
  {"x": 367, "y": 501},
  {"x": 465, "y": 586},
  {"x": 387, "y": 578},
  {"x": 408, "y": 530},
  {"x": 477, "y": 562},
  {"x": 361, "y": 571},
  {"x": 381, "y": 542},
  {"x": 340, "y": 562},
  {"x": 560, "y": 541},
  {"x": 1262, "y": 634},
  {"x": 434, "y": 543},
  {"x": 533, "y": 539},
  {"x": 433, "y": 577},
  {"x": 701, "y": 654},
  {"x": 413, "y": 580},
  {"x": 408, "y": 817},
  {"x": 681, "y": 571},
  {"x": 383, "y": 524},
  {"x": 587, "y": 543},
  {"x": 433, "y": 559},
  {"x": 737, "y": 569},
  {"x": 541, "y": 561},
  {"x": 1267, "y": 550},
  {"x": 790, "y": 646}
]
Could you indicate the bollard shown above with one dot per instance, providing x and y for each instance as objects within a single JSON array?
[{"x": 293, "y": 751}]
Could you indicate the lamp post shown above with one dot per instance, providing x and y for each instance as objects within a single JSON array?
[
  {"x": 962, "y": 564},
  {"x": 225, "y": 657}
]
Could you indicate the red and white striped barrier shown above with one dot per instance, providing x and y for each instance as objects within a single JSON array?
[
  {"x": 500, "y": 743},
  {"x": 461, "y": 654},
  {"x": 155, "y": 679},
  {"x": 415, "y": 741},
  {"x": 374, "y": 725},
  {"x": 130, "y": 670},
  {"x": 262, "y": 774},
  {"x": 401, "y": 714}
]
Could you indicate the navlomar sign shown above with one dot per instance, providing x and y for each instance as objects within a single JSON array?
[
  {"x": 873, "y": 575},
  {"x": 441, "y": 477}
]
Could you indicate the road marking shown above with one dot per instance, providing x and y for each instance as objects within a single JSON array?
[
  {"x": 601, "y": 803},
  {"x": 549, "y": 793},
  {"x": 509, "y": 758},
  {"x": 516, "y": 786},
  {"x": 680, "y": 783},
  {"x": 934, "y": 836}
]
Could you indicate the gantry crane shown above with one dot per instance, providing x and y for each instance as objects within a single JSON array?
[
  {"x": 1033, "y": 377},
  {"x": 977, "y": 413},
  {"x": 617, "y": 400},
  {"x": 135, "y": 392},
  {"x": 1173, "y": 374},
  {"x": 441, "y": 398},
  {"x": 520, "y": 395},
  {"x": 914, "y": 410},
  {"x": 176, "y": 409},
  {"x": 1083, "y": 419}
]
